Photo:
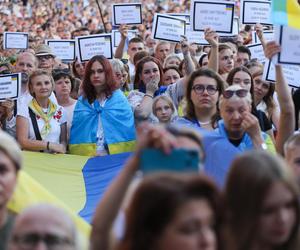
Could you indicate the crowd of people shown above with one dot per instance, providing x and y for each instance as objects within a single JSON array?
[{"x": 212, "y": 100}]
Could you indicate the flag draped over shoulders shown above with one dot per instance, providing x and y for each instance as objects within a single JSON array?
[{"x": 117, "y": 122}]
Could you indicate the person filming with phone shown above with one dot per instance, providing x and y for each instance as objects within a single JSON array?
[{"x": 164, "y": 194}]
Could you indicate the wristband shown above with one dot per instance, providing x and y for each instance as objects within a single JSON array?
[
  {"x": 149, "y": 96},
  {"x": 48, "y": 145}
]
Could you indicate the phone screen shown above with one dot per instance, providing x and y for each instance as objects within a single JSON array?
[{"x": 179, "y": 160}]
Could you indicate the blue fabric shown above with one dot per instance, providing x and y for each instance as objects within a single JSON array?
[
  {"x": 116, "y": 117},
  {"x": 220, "y": 152},
  {"x": 98, "y": 173}
]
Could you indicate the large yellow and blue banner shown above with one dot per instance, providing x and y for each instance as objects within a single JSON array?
[
  {"x": 75, "y": 183},
  {"x": 286, "y": 12}
]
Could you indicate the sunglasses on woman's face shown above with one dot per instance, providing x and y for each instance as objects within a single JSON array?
[{"x": 240, "y": 93}]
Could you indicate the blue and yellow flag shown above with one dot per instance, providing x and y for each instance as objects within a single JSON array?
[
  {"x": 286, "y": 12},
  {"x": 75, "y": 183}
]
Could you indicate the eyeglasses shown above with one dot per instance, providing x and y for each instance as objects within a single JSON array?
[
  {"x": 199, "y": 89},
  {"x": 46, "y": 57},
  {"x": 240, "y": 93},
  {"x": 53, "y": 242}
]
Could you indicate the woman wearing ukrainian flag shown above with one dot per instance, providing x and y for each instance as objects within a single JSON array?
[
  {"x": 42, "y": 124},
  {"x": 103, "y": 121}
]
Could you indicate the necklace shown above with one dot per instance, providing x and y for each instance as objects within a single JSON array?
[{"x": 204, "y": 123}]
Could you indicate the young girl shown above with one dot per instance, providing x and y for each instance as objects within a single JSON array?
[{"x": 163, "y": 108}]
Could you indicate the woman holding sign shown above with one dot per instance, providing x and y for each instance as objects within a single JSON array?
[
  {"x": 103, "y": 120},
  {"x": 42, "y": 125}
]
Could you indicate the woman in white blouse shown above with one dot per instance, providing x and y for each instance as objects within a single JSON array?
[{"x": 42, "y": 125}]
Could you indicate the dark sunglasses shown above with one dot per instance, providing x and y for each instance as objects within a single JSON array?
[
  {"x": 240, "y": 93},
  {"x": 61, "y": 71}
]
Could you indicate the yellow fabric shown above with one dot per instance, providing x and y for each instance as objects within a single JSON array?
[
  {"x": 293, "y": 12},
  {"x": 37, "y": 109},
  {"x": 58, "y": 178},
  {"x": 270, "y": 145},
  {"x": 87, "y": 149},
  {"x": 121, "y": 147},
  {"x": 29, "y": 192}
]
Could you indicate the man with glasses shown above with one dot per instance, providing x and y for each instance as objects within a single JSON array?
[
  {"x": 237, "y": 131},
  {"x": 45, "y": 57},
  {"x": 43, "y": 226},
  {"x": 238, "y": 125}
]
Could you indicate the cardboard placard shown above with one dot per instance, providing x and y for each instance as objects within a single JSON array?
[
  {"x": 168, "y": 28},
  {"x": 217, "y": 15},
  {"x": 63, "y": 49},
  {"x": 10, "y": 86},
  {"x": 89, "y": 46},
  {"x": 289, "y": 39},
  {"x": 15, "y": 40},
  {"x": 127, "y": 13},
  {"x": 253, "y": 12}
]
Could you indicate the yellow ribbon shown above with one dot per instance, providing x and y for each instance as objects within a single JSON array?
[{"x": 37, "y": 109}]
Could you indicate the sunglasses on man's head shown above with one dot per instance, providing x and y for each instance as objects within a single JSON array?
[{"x": 240, "y": 93}]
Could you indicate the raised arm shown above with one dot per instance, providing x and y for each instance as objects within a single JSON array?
[
  {"x": 190, "y": 66},
  {"x": 213, "y": 39},
  {"x": 107, "y": 210},
  {"x": 287, "y": 116},
  {"x": 124, "y": 33}
]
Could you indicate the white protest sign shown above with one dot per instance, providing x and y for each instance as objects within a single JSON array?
[
  {"x": 15, "y": 40},
  {"x": 63, "y": 49},
  {"x": 291, "y": 73},
  {"x": 218, "y": 15},
  {"x": 289, "y": 39},
  {"x": 127, "y": 13},
  {"x": 10, "y": 86},
  {"x": 195, "y": 36},
  {"x": 89, "y": 46},
  {"x": 257, "y": 52},
  {"x": 116, "y": 36},
  {"x": 168, "y": 28},
  {"x": 268, "y": 36},
  {"x": 253, "y": 12},
  {"x": 186, "y": 17}
]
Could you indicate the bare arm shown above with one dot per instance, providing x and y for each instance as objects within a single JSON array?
[
  {"x": 190, "y": 66},
  {"x": 34, "y": 145},
  {"x": 108, "y": 208},
  {"x": 213, "y": 39},
  {"x": 287, "y": 118},
  {"x": 260, "y": 34},
  {"x": 22, "y": 136},
  {"x": 124, "y": 33}
]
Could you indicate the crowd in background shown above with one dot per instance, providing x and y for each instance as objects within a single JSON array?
[{"x": 212, "y": 100}]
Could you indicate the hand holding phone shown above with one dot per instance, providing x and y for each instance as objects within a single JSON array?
[{"x": 179, "y": 160}]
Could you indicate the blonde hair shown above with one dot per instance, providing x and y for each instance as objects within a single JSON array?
[
  {"x": 166, "y": 99},
  {"x": 39, "y": 72}
]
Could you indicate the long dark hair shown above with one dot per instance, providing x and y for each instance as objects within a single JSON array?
[
  {"x": 243, "y": 69},
  {"x": 139, "y": 69},
  {"x": 251, "y": 176},
  {"x": 88, "y": 89},
  {"x": 156, "y": 201}
]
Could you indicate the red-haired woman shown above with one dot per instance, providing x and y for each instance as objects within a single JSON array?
[{"x": 103, "y": 121}]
